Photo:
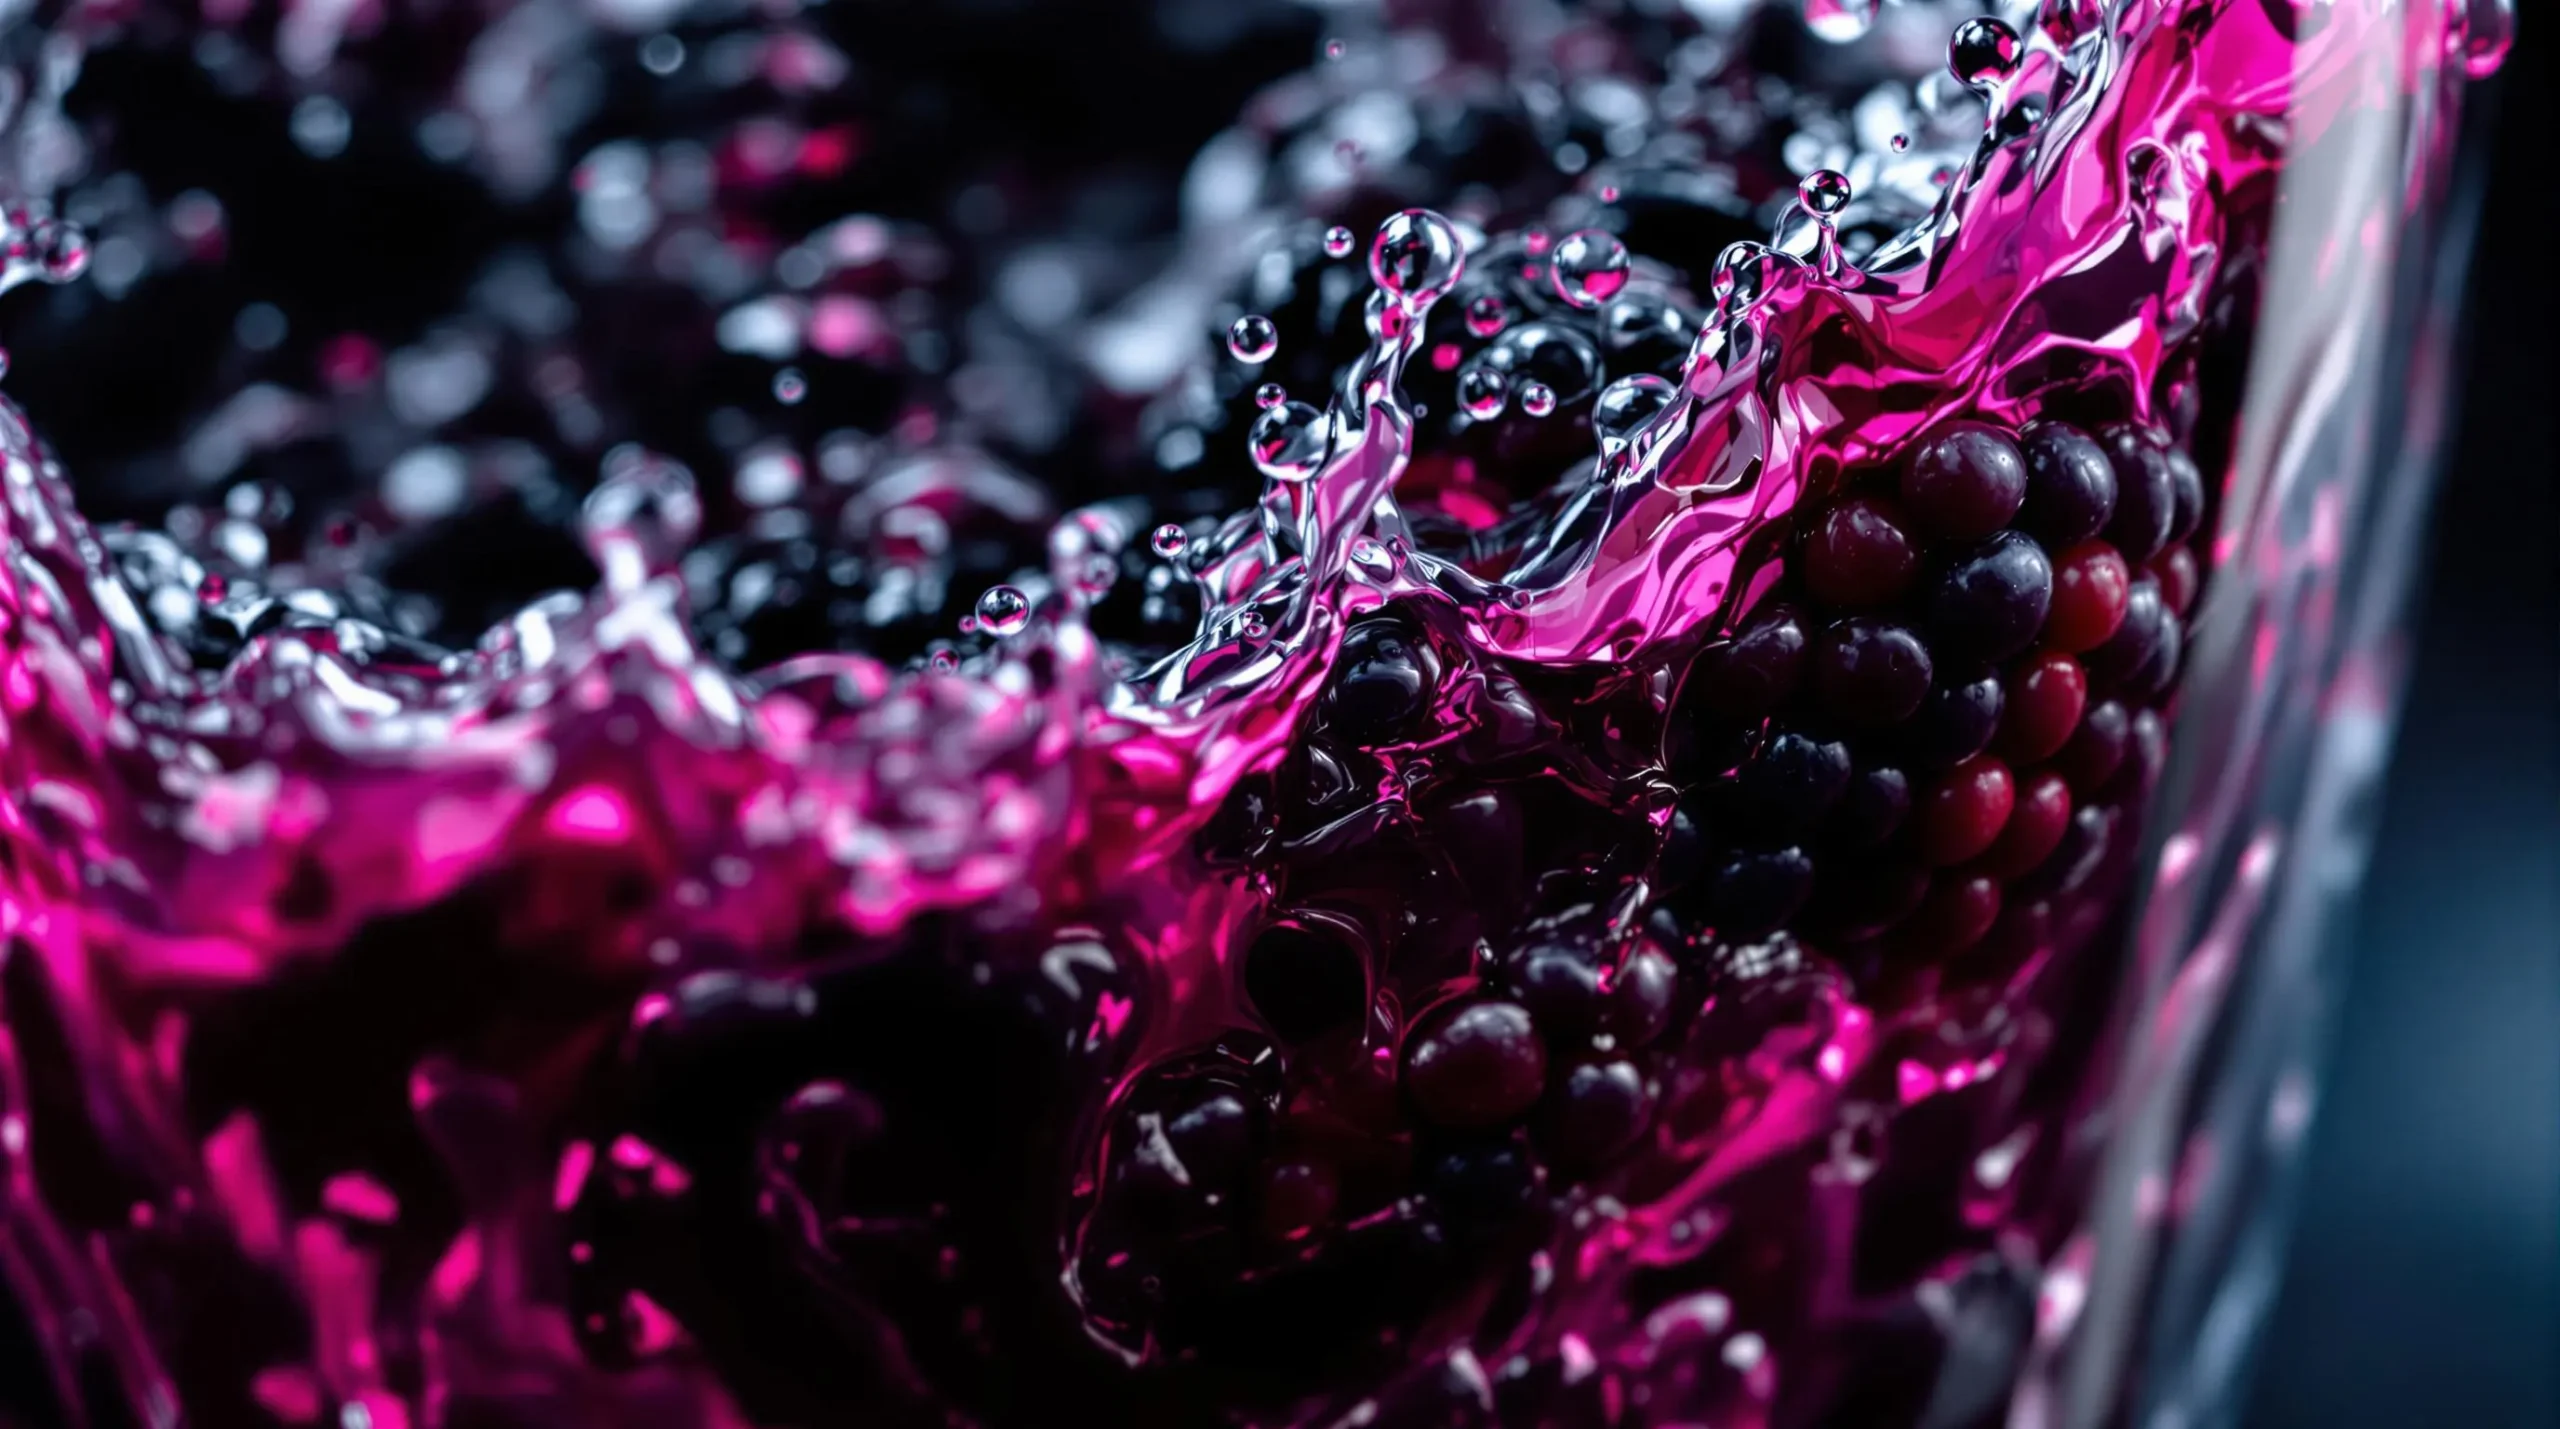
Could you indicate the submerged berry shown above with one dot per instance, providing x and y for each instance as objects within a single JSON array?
[
  {"x": 2045, "y": 698},
  {"x": 2090, "y": 586},
  {"x": 2071, "y": 486},
  {"x": 1858, "y": 555},
  {"x": 1992, "y": 601},
  {"x": 1479, "y": 1066},
  {"x": 1869, "y": 673},
  {"x": 1965, "y": 483},
  {"x": 1385, "y": 674},
  {"x": 1965, "y": 811}
]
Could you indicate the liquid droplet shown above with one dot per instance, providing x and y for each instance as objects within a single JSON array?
[
  {"x": 1481, "y": 393},
  {"x": 943, "y": 662},
  {"x": 1824, "y": 192},
  {"x": 1100, "y": 573},
  {"x": 1335, "y": 49},
  {"x": 1270, "y": 395},
  {"x": 1339, "y": 241},
  {"x": 789, "y": 387},
  {"x": 1486, "y": 315},
  {"x": 1590, "y": 267},
  {"x": 1004, "y": 610},
  {"x": 1253, "y": 338},
  {"x": 1417, "y": 256},
  {"x": 1983, "y": 53},
  {"x": 1901, "y": 142},
  {"x": 1169, "y": 540},
  {"x": 1627, "y": 404},
  {"x": 1537, "y": 398},
  {"x": 1839, "y": 21},
  {"x": 1289, "y": 441}
]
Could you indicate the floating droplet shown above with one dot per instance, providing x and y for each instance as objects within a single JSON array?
[
  {"x": 1590, "y": 267},
  {"x": 1481, "y": 393},
  {"x": 1099, "y": 574},
  {"x": 789, "y": 386},
  {"x": 1608, "y": 193},
  {"x": 1417, "y": 256},
  {"x": 943, "y": 662},
  {"x": 1824, "y": 192},
  {"x": 1253, "y": 338},
  {"x": 1339, "y": 241},
  {"x": 1003, "y": 610},
  {"x": 1901, "y": 142},
  {"x": 1537, "y": 398},
  {"x": 1270, "y": 395},
  {"x": 1839, "y": 21},
  {"x": 1487, "y": 314},
  {"x": 1335, "y": 49},
  {"x": 1983, "y": 53},
  {"x": 1169, "y": 540},
  {"x": 1627, "y": 404},
  {"x": 1289, "y": 441}
]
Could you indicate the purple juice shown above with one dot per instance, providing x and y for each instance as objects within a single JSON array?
[{"x": 1571, "y": 873}]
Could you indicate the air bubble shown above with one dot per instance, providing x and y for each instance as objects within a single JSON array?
[
  {"x": 1253, "y": 338},
  {"x": 1289, "y": 441},
  {"x": 1590, "y": 267},
  {"x": 1983, "y": 53},
  {"x": 1335, "y": 49},
  {"x": 1004, "y": 610},
  {"x": 1901, "y": 142},
  {"x": 1824, "y": 192},
  {"x": 1270, "y": 395},
  {"x": 789, "y": 386},
  {"x": 1481, "y": 393},
  {"x": 1339, "y": 241},
  {"x": 1417, "y": 256},
  {"x": 1169, "y": 540},
  {"x": 1537, "y": 398}
]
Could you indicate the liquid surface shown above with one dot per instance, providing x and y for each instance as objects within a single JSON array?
[{"x": 1536, "y": 850}]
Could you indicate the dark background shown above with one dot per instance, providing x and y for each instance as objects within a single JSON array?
[{"x": 2424, "y": 1286}]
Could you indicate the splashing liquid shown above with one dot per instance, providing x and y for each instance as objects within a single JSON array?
[{"x": 1592, "y": 950}]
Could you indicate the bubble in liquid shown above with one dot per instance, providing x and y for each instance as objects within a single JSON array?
[
  {"x": 62, "y": 249},
  {"x": 1098, "y": 575},
  {"x": 1625, "y": 405},
  {"x": 1335, "y": 49},
  {"x": 1269, "y": 395},
  {"x": 1901, "y": 142},
  {"x": 1590, "y": 267},
  {"x": 943, "y": 662},
  {"x": 1983, "y": 53},
  {"x": 1417, "y": 256},
  {"x": 1487, "y": 314},
  {"x": 1003, "y": 610},
  {"x": 1537, "y": 398},
  {"x": 789, "y": 386},
  {"x": 1839, "y": 21},
  {"x": 1168, "y": 540},
  {"x": 1825, "y": 192},
  {"x": 1481, "y": 393},
  {"x": 1253, "y": 338},
  {"x": 1289, "y": 441}
]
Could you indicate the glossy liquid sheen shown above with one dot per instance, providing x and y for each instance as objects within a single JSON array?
[{"x": 1321, "y": 1024}]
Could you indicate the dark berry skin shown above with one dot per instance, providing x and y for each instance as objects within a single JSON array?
[
  {"x": 1872, "y": 810},
  {"x": 1640, "y": 998},
  {"x": 1385, "y": 674},
  {"x": 1991, "y": 603},
  {"x": 1788, "y": 785},
  {"x": 1959, "y": 909},
  {"x": 2071, "y": 486},
  {"x": 2045, "y": 698},
  {"x": 2175, "y": 570},
  {"x": 2186, "y": 493},
  {"x": 2146, "y": 492},
  {"x": 1859, "y": 555},
  {"x": 2142, "y": 656},
  {"x": 2038, "y": 816},
  {"x": 1754, "y": 894},
  {"x": 1965, "y": 811},
  {"x": 1869, "y": 673},
  {"x": 1751, "y": 675},
  {"x": 1479, "y": 1066},
  {"x": 2096, "y": 749},
  {"x": 1954, "y": 723},
  {"x": 1297, "y": 1199},
  {"x": 1597, "y": 1110},
  {"x": 2090, "y": 584},
  {"x": 1305, "y": 980},
  {"x": 1965, "y": 483}
]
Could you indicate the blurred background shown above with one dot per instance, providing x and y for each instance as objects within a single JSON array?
[{"x": 2424, "y": 1287}]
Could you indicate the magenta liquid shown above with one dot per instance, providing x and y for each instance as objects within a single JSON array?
[{"x": 1608, "y": 917}]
